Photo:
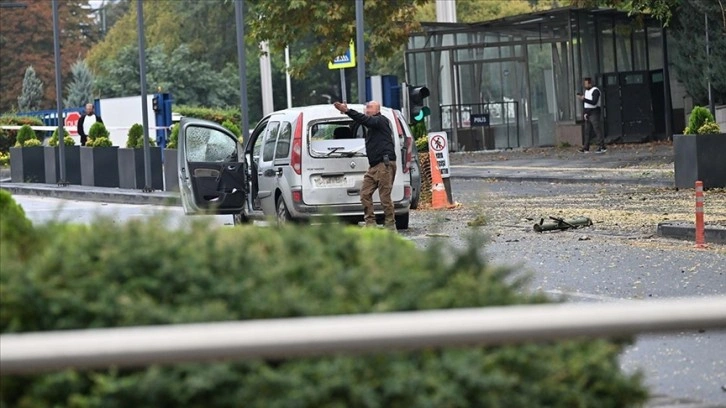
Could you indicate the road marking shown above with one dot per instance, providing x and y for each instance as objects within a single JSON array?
[{"x": 585, "y": 295}]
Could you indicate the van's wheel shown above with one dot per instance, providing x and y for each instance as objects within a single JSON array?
[
  {"x": 283, "y": 216},
  {"x": 240, "y": 219},
  {"x": 402, "y": 221}
]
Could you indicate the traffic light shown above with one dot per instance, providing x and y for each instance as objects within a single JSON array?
[
  {"x": 417, "y": 110},
  {"x": 155, "y": 103}
]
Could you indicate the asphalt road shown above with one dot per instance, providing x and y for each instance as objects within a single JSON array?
[{"x": 612, "y": 260}]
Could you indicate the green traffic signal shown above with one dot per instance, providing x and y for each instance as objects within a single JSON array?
[{"x": 425, "y": 111}]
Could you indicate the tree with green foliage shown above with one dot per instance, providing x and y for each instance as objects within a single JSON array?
[
  {"x": 80, "y": 90},
  {"x": 145, "y": 273},
  {"x": 662, "y": 10},
  {"x": 26, "y": 38},
  {"x": 331, "y": 25},
  {"x": 688, "y": 50},
  {"x": 32, "y": 93}
]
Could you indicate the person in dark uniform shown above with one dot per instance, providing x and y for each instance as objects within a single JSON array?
[
  {"x": 593, "y": 116},
  {"x": 86, "y": 121},
  {"x": 381, "y": 153}
]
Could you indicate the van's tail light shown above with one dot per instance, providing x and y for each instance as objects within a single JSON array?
[
  {"x": 407, "y": 192},
  {"x": 297, "y": 196},
  {"x": 296, "y": 159}
]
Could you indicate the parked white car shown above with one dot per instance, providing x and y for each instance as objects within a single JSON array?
[{"x": 298, "y": 163}]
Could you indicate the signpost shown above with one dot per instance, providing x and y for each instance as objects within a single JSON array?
[
  {"x": 342, "y": 62},
  {"x": 439, "y": 144},
  {"x": 71, "y": 123}
]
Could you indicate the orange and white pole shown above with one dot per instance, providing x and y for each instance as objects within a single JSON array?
[{"x": 700, "y": 236}]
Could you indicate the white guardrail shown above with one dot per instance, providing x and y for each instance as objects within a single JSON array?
[{"x": 317, "y": 336}]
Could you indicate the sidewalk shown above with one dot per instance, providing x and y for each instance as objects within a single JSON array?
[
  {"x": 86, "y": 193},
  {"x": 642, "y": 164}
]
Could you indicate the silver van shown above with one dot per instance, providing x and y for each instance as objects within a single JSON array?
[{"x": 296, "y": 164}]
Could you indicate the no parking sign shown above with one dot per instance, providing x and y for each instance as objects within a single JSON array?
[{"x": 439, "y": 144}]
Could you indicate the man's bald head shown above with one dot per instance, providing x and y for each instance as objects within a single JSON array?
[{"x": 373, "y": 108}]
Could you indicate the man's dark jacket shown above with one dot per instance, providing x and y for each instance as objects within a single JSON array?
[{"x": 379, "y": 138}]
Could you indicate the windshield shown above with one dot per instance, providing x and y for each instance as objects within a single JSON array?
[{"x": 336, "y": 139}]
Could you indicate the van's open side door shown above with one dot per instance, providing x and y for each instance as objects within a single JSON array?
[{"x": 212, "y": 173}]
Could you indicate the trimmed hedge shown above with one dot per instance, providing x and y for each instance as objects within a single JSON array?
[
  {"x": 143, "y": 273},
  {"x": 8, "y": 137},
  {"x": 212, "y": 114}
]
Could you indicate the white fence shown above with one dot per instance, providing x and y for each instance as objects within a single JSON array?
[{"x": 315, "y": 336}]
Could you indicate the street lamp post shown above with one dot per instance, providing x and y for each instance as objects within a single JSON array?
[
  {"x": 59, "y": 98},
  {"x": 144, "y": 102},
  {"x": 241, "y": 65},
  {"x": 360, "y": 49}
]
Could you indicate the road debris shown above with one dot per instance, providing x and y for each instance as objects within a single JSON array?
[{"x": 562, "y": 224}]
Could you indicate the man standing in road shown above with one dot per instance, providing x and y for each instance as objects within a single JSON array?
[
  {"x": 381, "y": 153},
  {"x": 86, "y": 121},
  {"x": 593, "y": 116}
]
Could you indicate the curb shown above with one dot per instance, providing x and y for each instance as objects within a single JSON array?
[
  {"x": 567, "y": 180},
  {"x": 107, "y": 195},
  {"x": 687, "y": 231}
]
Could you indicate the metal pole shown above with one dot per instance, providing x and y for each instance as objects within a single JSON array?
[
  {"x": 268, "y": 104},
  {"x": 287, "y": 77},
  {"x": 667, "y": 87},
  {"x": 59, "y": 98},
  {"x": 711, "y": 105},
  {"x": 242, "y": 66},
  {"x": 343, "y": 93},
  {"x": 360, "y": 50},
  {"x": 144, "y": 104},
  {"x": 383, "y": 332}
]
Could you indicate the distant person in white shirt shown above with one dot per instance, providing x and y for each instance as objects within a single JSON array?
[{"x": 86, "y": 121}]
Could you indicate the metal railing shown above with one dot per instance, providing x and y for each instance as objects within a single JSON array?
[
  {"x": 317, "y": 336},
  {"x": 502, "y": 114}
]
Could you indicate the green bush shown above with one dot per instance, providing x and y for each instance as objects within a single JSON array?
[
  {"x": 67, "y": 139},
  {"x": 699, "y": 117},
  {"x": 97, "y": 130},
  {"x": 135, "y": 134},
  {"x": 4, "y": 159},
  {"x": 141, "y": 273},
  {"x": 25, "y": 133},
  {"x": 422, "y": 144},
  {"x": 229, "y": 125},
  {"x": 214, "y": 115},
  {"x": 709, "y": 128},
  {"x": 101, "y": 142},
  {"x": 32, "y": 143},
  {"x": 173, "y": 137},
  {"x": 15, "y": 230},
  {"x": 8, "y": 137}
]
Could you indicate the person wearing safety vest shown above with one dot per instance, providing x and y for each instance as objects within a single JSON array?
[{"x": 593, "y": 116}]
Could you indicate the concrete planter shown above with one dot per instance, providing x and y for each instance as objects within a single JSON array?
[
  {"x": 700, "y": 157},
  {"x": 171, "y": 176},
  {"x": 131, "y": 168},
  {"x": 52, "y": 164},
  {"x": 27, "y": 164},
  {"x": 99, "y": 166}
]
